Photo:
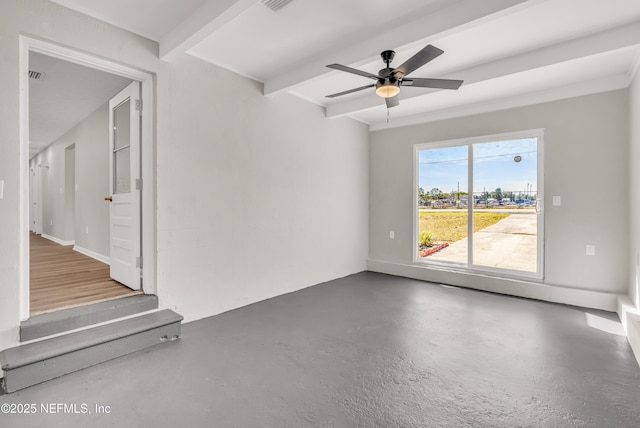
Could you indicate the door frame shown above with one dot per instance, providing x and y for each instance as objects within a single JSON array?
[
  {"x": 147, "y": 142},
  {"x": 537, "y": 276}
]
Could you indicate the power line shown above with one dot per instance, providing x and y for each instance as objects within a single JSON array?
[{"x": 477, "y": 157}]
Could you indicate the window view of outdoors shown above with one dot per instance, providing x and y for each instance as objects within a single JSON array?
[{"x": 502, "y": 204}]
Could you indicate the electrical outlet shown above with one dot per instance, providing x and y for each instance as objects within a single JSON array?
[
  {"x": 1, "y": 189},
  {"x": 86, "y": 230},
  {"x": 556, "y": 200},
  {"x": 590, "y": 250}
]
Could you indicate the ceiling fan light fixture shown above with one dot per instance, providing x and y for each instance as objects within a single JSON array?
[
  {"x": 387, "y": 89},
  {"x": 388, "y": 80}
]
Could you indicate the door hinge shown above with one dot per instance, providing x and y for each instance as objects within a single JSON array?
[
  {"x": 139, "y": 105},
  {"x": 139, "y": 262},
  {"x": 138, "y": 183}
]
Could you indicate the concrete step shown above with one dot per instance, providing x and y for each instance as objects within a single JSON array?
[
  {"x": 37, "y": 362},
  {"x": 82, "y": 316}
]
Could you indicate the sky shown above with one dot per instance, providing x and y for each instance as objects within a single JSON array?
[{"x": 494, "y": 166}]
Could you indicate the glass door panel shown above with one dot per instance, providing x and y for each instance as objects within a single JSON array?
[
  {"x": 121, "y": 147},
  {"x": 443, "y": 204},
  {"x": 505, "y": 191}
]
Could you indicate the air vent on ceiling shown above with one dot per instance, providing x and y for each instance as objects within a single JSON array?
[
  {"x": 36, "y": 75},
  {"x": 275, "y": 5}
]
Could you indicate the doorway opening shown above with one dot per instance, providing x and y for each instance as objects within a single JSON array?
[
  {"x": 67, "y": 178},
  {"x": 478, "y": 204}
]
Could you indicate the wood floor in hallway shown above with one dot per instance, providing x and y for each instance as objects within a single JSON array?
[{"x": 61, "y": 277}]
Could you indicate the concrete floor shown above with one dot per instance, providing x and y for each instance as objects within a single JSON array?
[{"x": 368, "y": 350}]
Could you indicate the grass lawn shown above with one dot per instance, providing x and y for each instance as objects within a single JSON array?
[{"x": 450, "y": 226}]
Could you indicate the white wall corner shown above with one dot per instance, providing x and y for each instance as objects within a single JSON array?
[
  {"x": 58, "y": 240},
  {"x": 630, "y": 318},
  {"x": 633, "y": 334}
]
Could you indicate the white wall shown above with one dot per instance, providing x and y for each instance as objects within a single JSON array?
[
  {"x": 629, "y": 308},
  {"x": 92, "y": 179},
  {"x": 256, "y": 196},
  {"x": 634, "y": 191},
  {"x": 585, "y": 162},
  {"x": 91, "y": 139}
]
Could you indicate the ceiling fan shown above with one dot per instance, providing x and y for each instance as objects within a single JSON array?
[{"x": 389, "y": 80}]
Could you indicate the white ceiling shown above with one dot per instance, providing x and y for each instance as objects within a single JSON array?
[{"x": 508, "y": 52}]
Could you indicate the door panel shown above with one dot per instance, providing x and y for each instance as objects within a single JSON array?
[
  {"x": 478, "y": 205},
  {"x": 506, "y": 171},
  {"x": 122, "y": 171},
  {"x": 443, "y": 209},
  {"x": 124, "y": 218}
]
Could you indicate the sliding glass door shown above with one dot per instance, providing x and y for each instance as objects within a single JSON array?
[{"x": 478, "y": 203}]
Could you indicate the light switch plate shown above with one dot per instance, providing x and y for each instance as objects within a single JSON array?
[
  {"x": 590, "y": 250},
  {"x": 392, "y": 234},
  {"x": 1, "y": 189},
  {"x": 556, "y": 201}
]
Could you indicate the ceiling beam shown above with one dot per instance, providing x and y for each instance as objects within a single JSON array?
[
  {"x": 605, "y": 84},
  {"x": 605, "y": 41},
  {"x": 203, "y": 22},
  {"x": 460, "y": 14}
]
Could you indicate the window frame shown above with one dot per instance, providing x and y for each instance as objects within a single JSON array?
[{"x": 469, "y": 267}]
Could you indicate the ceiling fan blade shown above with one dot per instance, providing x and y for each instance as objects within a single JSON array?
[
  {"x": 350, "y": 91},
  {"x": 432, "y": 83},
  {"x": 427, "y": 54},
  {"x": 393, "y": 101},
  {"x": 352, "y": 71}
]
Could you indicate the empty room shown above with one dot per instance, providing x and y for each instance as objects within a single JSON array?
[{"x": 297, "y": 213}]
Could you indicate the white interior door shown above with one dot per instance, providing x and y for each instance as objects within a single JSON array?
[{"x": 125, "y": 186}]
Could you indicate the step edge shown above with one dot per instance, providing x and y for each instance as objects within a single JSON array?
[
  {"x": 88, "y": 327},
  {"x": 49, "y": 327},
  {"x": 86, "y": 309},
  {"x": 164, "y": 318},
  {"x": 10, "y": 384}
]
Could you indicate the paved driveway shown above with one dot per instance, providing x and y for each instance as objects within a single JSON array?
[{"x": 510, "y": 243}]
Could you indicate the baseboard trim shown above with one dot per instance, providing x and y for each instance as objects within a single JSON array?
[
  {"x": 513, "y": 287},
  {"x": 92, "y": 254},
  {"x": 57, "y": 240}
]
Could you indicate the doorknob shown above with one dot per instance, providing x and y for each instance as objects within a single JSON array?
[{"x": 108, "y": 198}]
